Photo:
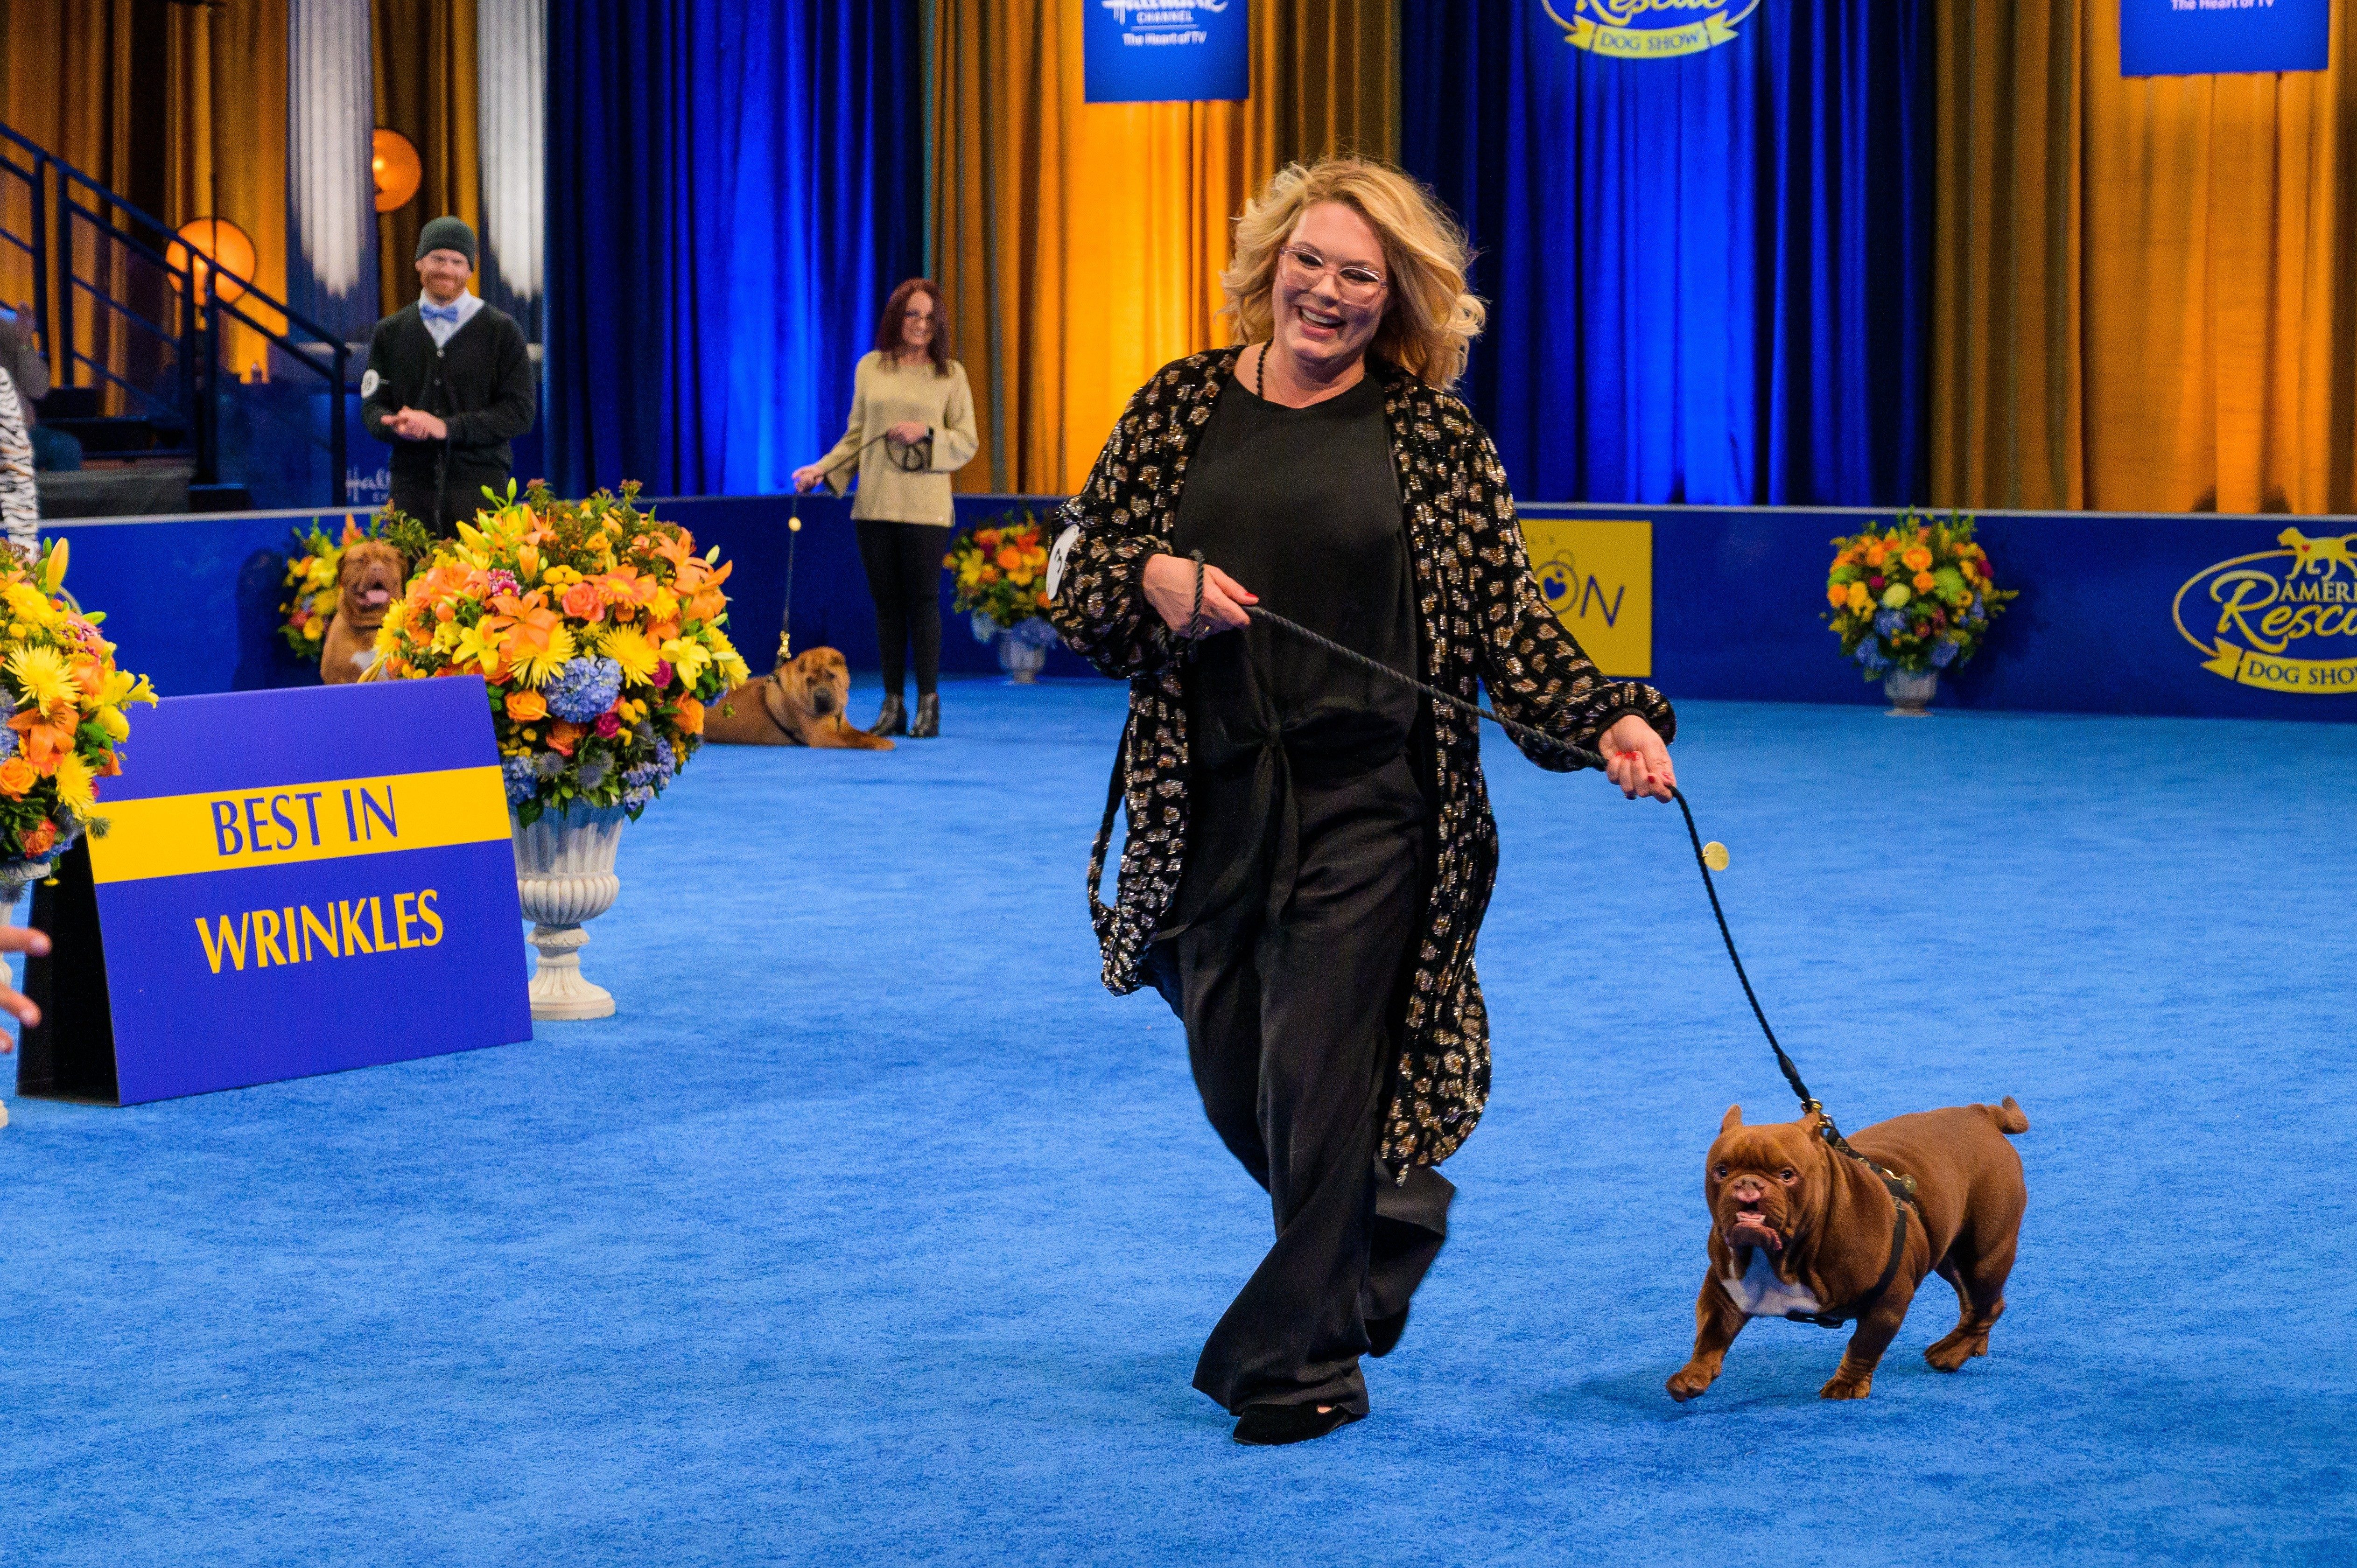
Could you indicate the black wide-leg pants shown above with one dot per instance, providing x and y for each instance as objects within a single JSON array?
[{"x": 1292, "y": 1002}]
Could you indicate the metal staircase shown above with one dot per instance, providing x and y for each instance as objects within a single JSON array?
[{"x": 133, "y": 323}]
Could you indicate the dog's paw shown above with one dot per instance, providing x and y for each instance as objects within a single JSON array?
[
  {"x": 1951, "y": 1353},
  {"x": 1845, "y": 1387},
  {"x": 1688, "y": 1382}
]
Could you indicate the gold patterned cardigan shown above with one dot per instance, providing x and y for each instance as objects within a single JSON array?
[{"x": 1481, "y": 619}]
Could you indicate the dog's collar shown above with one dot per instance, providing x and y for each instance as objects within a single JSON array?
[{"x": 769, "y": 685}]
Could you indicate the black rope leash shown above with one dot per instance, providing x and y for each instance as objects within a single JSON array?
[
  {"x": 1580, "y": 758},
  {"x": 923, "y": 451}
]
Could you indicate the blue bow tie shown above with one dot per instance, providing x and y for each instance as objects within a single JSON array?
[{"x": 448, "y": 313}]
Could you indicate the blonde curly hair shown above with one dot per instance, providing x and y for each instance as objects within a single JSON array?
[{"x": 1430, "y": 320}]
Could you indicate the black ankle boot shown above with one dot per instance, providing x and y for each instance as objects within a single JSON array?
[
  {"x": 929, "y": 716},
  {"x": 894, "y": 719}
]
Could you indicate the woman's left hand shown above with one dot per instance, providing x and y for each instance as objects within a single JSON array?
[
  {"x": 907, "y": 432},
  {"x": 1635, "y": 758}
]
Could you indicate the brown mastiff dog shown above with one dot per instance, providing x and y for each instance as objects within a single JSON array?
[
  {"x": 369, "y": 580},
  {"x": 1799, "y": 1229},
  {"x": 798, "y": 704}
]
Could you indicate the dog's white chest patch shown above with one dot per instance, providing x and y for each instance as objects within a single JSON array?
[{"x": 1759, "y": 1293}]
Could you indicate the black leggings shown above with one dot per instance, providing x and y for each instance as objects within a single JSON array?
[{"x": 904, "y": 577}]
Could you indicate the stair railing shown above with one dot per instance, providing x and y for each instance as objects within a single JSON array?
[{"x": 62, "y": 201}]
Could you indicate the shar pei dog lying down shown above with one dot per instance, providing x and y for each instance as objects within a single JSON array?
[{"x": 798, "y": 704}]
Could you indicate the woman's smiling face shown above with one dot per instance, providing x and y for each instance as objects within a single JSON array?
[
  {"x": 1324, "y": 320},
  {"x": 917, "y": 324}
]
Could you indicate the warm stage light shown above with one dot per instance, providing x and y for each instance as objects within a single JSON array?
[
  {"x": 393, "y": 161},
  {"x": 217, "y": 240}
]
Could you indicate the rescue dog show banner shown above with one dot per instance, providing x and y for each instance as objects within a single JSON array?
[{"x": 292, "y": 882}]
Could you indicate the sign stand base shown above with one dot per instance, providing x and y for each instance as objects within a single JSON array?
[{"x": 70, "y": 1054}]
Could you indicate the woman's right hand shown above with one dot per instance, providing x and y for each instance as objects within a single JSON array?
[
  {"x": 805, "y": 477},
  {"x": 1169, "y": 582}
]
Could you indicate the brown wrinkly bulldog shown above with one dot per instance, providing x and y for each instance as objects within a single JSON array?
[
  {"x": 1798, "y": 1228},
  {"x": 798, "y": 704},
  {"x": 368, "y": 582}
]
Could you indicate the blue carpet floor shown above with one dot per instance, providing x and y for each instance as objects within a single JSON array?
[{"x": 874, "y": 1230}]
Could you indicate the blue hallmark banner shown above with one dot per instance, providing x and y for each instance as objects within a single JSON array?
[
  {"x": 2200, "y": 37},
  {"x": 304, "y": 881},
  {"x": 1135, "y": 52}
]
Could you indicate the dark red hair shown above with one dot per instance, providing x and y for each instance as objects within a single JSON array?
[{"x": 887, "y": 332}]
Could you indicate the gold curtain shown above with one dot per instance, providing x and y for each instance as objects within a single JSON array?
[
  {"x": 2145, "y": 297},
  {"x": 425, "y": 85},
  {"x": 68, "y": 80},
  {"x": 226, "y": 146},
  {"x": 1078, "y": 245}
]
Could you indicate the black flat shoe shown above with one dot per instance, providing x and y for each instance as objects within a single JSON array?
[
  {"x": 929, "y": 717},
  {"x": 1383, "y": 1333},
  {"x": 893, "y": 720},
  {"x": 1270, "y": 1425}
]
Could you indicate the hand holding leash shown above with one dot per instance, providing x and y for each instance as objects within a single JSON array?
[{"x": 1170, "y": 584}]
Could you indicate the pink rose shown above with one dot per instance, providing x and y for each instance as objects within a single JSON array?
[
  {"x": 609, "y": 725},
  {"x": 662, "y": 673}
]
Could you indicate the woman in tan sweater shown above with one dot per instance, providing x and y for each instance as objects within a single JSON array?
[{"x": 911, "y": 427}]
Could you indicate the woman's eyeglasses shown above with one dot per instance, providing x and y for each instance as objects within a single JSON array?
[{"x": 1355, "y": 282}]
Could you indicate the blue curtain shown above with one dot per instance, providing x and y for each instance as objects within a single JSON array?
[
  {"x": 1708, "y": 276},
  {"x": 734, "y": 187}
]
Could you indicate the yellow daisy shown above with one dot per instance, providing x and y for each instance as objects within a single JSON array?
[
  {"x": 627, "y": 647},
  {"x": 77, "y": 785},
  {"x": 41, "y": 675}
]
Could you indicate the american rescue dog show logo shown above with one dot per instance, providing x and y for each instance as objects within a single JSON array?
[
  {"x": 1648, "y": 29},
  {"x": 2275, "y": 612}
]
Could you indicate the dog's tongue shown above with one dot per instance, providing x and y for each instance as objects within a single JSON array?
[
  {"x": 375, "y": 596},
  {"x": 1752, "y": 1229}
]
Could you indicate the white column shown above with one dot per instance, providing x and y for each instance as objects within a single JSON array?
[
  {"x": 511, "y": 52},
  {"x": 332, "y": 270}
]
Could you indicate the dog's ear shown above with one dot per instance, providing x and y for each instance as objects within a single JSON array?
[
  {"x": 1812, "y": 1121},
  {"x": 1732, "y": 1119}
]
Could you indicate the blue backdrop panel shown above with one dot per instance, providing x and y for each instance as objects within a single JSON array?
[
  {"x": 1708, "y": 276},
  {"x": 1738, "y": 601},
  {"x": 1739, "y": 605},
  {"x": 733, "y": 189}
]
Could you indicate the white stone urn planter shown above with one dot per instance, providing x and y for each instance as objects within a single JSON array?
[
  {"x": 1022, "y": 650},
  {"x": 565, "y": 878},
  {"x": 1910, "y": 692}
]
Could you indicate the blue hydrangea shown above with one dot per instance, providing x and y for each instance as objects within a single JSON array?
[
  {"x": 1869, "y": 654},
  {"x": 521, "y": 777},
  {"x": 585, "y": 688},
  {"x": 1944, "y": 653},
  {"x": 655, "y": 773},
  {"x": 1889, "y": 623},
  {"x": 8, "y": 744},
  {"x": 637, "y": 799},
  {"x": 1976, "y": 615}
]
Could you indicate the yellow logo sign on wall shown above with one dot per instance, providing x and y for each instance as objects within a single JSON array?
[
  {"x": 2277, "y": 612},
  {"x": 1648, "y": 29},
  {"x": 1597, "y": 577}
]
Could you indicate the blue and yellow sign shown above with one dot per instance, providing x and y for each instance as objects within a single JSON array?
[
  {"x": 304, "y": 881},
  {"x": 2263, "y": 620},
  {"x": 1648, "y": 29},
  {"x": 1597, "y": 577}
]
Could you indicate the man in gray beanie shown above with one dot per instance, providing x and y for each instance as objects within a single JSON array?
[{"x": 449, "y": 385}]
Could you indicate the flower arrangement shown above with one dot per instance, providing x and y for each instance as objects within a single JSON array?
[
  {"x": 597, "y": 629},
  {"x": 1001, "y": 570},
  {"x": 1914, "y": 596},
  {"x": 312, "y": 582},
  {"x": 69, "y": 700}
]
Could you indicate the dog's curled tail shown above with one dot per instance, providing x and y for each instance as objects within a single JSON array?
[{"x": 2008, "y": 1116}]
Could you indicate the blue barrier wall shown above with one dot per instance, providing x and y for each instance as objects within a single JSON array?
[{"x": 1739, "y": 602}]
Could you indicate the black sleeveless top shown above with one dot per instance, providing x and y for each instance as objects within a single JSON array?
[{"x": 1300, "y": 506}]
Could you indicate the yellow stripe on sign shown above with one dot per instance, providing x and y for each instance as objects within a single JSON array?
[{"x": 180, "y": 835}]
